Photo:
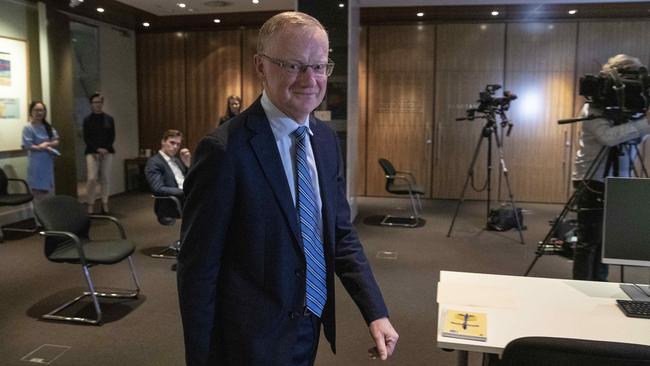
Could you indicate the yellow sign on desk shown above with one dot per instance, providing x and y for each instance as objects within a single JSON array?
[{"x": 465, "y": 325}]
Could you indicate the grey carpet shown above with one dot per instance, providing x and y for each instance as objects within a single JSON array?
[{"x": 406, "y": 263}]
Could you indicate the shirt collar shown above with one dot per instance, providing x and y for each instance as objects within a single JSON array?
[
  {"x": 165, "y": 156},
  {"x": 281, "y": 124}
]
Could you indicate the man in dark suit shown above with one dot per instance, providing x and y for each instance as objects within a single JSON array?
[
  {"x": 165, "y": 173},
  {"x": 266, "y": 223}
]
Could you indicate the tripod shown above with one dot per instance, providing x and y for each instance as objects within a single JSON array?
[
  {"x": 545, "y": 246},
  {"x": 489, "y": 130}
]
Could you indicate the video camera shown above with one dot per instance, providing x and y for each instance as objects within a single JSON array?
[
  {"x": 626, "y": 92},
  {"x": 489, "y": 103},
  {"x": 491, "y": 106}
]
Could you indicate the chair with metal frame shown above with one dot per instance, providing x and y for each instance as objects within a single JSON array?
[
  {"x": 402, "y": 183},
  {"x": 67, "y": 226},
  {"x": 542, "y": 351},
  {"x": 168, "y": 209},
  {"x": 14, "y": 199}
]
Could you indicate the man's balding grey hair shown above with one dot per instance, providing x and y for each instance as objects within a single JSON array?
[
  {"x": 622, "y": 63},
  {"x": 283, "y": 20}
]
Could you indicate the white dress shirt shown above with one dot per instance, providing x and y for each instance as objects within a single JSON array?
[{"x": 178, "y": 173}]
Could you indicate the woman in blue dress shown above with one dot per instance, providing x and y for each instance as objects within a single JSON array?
[{"x": 40, "y": 140}]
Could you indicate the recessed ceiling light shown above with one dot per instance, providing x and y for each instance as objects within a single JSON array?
[
  {"x": 494, "y": 13},
  {"x": 256, "y": 1},
  {"x": 190, "y": 9},
  {"x": 100, "y": 10},
  {"x": 572, "y": 11},
  {"x": 420, "y": 14},
  {"x": 217, "y": 20},
  {"x": 341, "y": 5},
  {"x": 181, "y": 5},
  {"x": 146, "y": 24}
]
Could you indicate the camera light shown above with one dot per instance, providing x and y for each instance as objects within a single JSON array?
[{"x": 572, "y": 11}]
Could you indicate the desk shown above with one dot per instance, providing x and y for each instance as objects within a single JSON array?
[{"x": 528, "y": 306}]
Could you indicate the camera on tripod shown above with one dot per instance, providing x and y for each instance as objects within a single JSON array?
[
  {"x": 624, "y": 92},
  {"x": 490, "y": 104}
]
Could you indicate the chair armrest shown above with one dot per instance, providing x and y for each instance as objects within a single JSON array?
[
  {"x": 21, "y": 181},
  {"x": 402, "y": 178},
  {"x": 68, "y": 235},
  {"x": 177, "y": 203},
  {"x": 113, "y": 220},
  {"x": 408, "y": 174}
]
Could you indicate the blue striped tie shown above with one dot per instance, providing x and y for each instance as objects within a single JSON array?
[{"x": 309, "y": 215}]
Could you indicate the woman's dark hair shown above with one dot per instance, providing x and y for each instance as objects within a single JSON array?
[{"x": 48, "y": 126}]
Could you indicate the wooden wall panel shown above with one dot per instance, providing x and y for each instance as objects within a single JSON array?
[
  {"x": 213, "y": 72},
  {"x": 469, "y": 56},
  {"x": 602, "y": 39},
  {"x": 363, "y": 115},
  {"x": 161, "y": 86},
  {"x": 400, "y": 108},
  {"x": 251, "y": 85},
  {"x": 540, "y": 70}
]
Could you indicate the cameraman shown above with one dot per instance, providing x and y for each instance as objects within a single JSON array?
[{"x": 595, "y": 134}]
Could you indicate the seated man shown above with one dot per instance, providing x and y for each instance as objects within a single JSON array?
[{"x": 165, "y": 172}]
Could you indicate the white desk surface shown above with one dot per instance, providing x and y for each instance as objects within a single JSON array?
[{"x": 529, "y": 306}]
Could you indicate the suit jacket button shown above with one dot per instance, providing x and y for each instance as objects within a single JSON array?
[
  {"x": 299, "y": 273},
  {"x": 293, "y": 314}
]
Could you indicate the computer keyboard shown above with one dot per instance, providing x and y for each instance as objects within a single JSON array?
[{"x": 635, "y": 309}]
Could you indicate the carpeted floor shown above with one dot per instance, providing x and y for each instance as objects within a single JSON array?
[{"x": 147, "y": 331}]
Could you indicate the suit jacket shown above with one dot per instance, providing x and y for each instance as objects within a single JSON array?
[
  {"x": 241, "y": 269},
  {"x": 163, "y": 183}
]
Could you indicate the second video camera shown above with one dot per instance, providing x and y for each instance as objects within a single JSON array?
[
  {"x": 627, "y": 91},
  {"x": 489, "y": 103}
]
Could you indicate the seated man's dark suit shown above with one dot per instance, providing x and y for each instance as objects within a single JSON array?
[
  {"x": 241, "y": 269},
  {"x": 162, "y": 183}
]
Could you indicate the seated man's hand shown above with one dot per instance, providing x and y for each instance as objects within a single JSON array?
[{"x": 186, "y": 156}]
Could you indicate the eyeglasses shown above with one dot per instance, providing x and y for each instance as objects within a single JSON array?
[{"x": 324, "y": 69}]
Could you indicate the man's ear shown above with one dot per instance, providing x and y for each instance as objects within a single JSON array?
[{"x": 259, "y": 66}]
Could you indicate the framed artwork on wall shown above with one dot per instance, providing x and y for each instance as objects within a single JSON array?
[{"x": 13, "y": 92}]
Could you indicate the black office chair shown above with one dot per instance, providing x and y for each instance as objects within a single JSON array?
[
  {"x": 14, "y": 199},
  {"x": 167, "y": 209},
  {"x": 402, "y": 183},
  {"x": 548, "y": 351},
  {"x": 67, "y": 226}
]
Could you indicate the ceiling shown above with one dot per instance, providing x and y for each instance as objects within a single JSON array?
[{"x": 195, "y": 7}]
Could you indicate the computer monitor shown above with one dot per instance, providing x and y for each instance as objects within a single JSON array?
[
  {"x": 626, "y": 228},
  {"x": 626, "y": 224}
]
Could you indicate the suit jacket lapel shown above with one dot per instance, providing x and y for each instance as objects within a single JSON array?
[{"x": 266, "y": 151}]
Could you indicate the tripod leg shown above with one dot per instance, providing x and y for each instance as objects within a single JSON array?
[
  {"x": 570, "y": 203},
  {"x": 639, "y": 157},
  {"x": 504, "y": 170},
  {"x": 470, "y": 173}
]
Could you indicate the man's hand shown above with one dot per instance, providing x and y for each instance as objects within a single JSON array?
[
  {"x": 385, "y": 338},
  {"x": 102, "y": 151},
  {"x": 186, "y": 156}
]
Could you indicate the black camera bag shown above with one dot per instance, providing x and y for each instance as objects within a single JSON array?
[{"x": 503, "y": 219}]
